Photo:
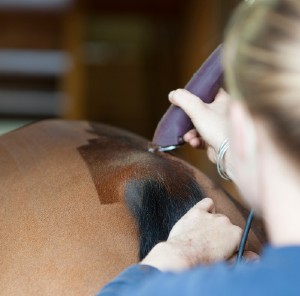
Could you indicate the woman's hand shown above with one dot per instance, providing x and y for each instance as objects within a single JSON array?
[
  {"x": 210, "y": 121},
  {"x": 200, "y": 237}
]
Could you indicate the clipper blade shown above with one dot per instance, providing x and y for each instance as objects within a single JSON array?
[{"x": 154, "y": 148}]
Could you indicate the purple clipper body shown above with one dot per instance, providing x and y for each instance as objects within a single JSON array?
[{"x": 205, "y": 84}]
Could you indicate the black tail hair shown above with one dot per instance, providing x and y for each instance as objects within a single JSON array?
[
  {"x": 156, "y": 209},
  {"x": 160, "y": 189}
]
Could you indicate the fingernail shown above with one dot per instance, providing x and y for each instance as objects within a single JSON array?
[{"x": 171, "y": 96}]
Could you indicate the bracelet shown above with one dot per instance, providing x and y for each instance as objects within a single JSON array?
[{"x": 220, "y": 161}]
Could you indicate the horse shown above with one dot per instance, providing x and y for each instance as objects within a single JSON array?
[{"x": 81, "y": 201}]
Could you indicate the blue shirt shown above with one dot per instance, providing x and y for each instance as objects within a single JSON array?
[{"x": 277, "y": 273}]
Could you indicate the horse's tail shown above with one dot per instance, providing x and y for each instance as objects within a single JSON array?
[{"x": 159, "y": 201}]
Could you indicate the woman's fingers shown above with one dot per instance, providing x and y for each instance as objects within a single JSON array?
[
  {"x": 251, "y": 256},
  {"x": 191, "y": 135},
  {"x": 201, "y": 231},
  {"x": 194, "y": 139},
  {"x": 188, "y": 102},
  {"x": 210, "y": 120},
  {"x": 247, "y": 256},
  {"x": 207, "y": 205}
]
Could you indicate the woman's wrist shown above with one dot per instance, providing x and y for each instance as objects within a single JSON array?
[
  {"x": 228, "y": 166},
  {"x": 166, "y": 256},
  {"x": 223, "y": 161}
]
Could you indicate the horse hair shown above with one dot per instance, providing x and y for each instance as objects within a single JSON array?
[
  {"x": 156, "y": 209},
  {"x": 158, "y": 189}
]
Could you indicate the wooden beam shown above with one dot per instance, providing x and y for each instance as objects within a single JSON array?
[{"x": 73, "y": 82}]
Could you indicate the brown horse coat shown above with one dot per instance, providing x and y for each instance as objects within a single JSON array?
[{"x": 68, "y": 195}]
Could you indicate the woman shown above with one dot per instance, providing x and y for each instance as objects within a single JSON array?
[{"x": 262, "y": 121}]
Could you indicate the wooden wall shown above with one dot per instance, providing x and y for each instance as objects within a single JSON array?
[{"x": 124, "y": 61}]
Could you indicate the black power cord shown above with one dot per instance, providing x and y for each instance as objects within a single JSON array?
[{"x": 244, "y": 237}]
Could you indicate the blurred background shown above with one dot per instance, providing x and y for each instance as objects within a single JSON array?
[{"x": 111, "y": 61}]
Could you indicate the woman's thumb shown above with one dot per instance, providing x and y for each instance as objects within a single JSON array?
[{"x": 188, "y": 102}]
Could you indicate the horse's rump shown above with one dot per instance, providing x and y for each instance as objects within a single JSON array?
[{"x": 79, "y": 202}]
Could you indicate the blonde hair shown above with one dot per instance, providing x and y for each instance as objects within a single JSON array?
[{"x": 262, "y": 65}]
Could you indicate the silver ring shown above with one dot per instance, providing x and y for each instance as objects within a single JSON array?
[{"x": 220, "y": 161}]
